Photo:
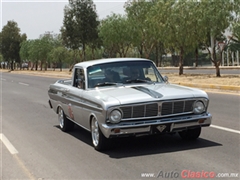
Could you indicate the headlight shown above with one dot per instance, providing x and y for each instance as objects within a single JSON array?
[
  {"x": 115, "y": 116},
  {"x": 198, "y": 107}
]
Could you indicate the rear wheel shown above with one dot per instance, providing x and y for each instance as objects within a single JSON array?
[
  {"x": 64, "y": 123},
  {"x": 190, "y": 134},
  {"x": 98, "y": 139}
]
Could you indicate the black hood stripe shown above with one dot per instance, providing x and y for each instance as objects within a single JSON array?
[{"x": 150, "y": 92}]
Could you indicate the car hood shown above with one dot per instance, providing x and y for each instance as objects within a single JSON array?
[{"x": 145, "y": 93}]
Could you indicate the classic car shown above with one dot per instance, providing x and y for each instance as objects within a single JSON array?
[{"x": 127, "y": 97}]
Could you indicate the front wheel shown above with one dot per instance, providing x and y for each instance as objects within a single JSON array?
[
  {"x": 64, "y": 123},
  {"x": 98, "y": 139},
  {"x": 190, "y": 134}
]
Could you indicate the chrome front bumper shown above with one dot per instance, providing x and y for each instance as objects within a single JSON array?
[{"x": 165, "y": 125}]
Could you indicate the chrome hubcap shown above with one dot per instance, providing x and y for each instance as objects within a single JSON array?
[
  {"x": 95, "y": 132},
  {"x": 60, "y": 118}
]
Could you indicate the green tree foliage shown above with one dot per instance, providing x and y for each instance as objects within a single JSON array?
[
  {"x": 143, "y": 31},
  {"x": 38, "y": 50},
  {"x": 44, "y": 46},
  {"x": 235, "y": 38},
  {"x": 177, "y": 24},
  {"x": 10, "y": 42},
  {"x": 24, "y": 50},
  {"x": 217, "y": 17},
  {"x": 116, "y": 35},
  {"x": 186, "y": 24},
  {"x": 59, "y": 55},
  {"x": 80, "y": 25}
]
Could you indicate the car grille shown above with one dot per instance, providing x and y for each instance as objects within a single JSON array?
[
  {"x": 176, "y": 107},
  {"x": 150, "y": 110},
  {"x": 147, "y": 110}
]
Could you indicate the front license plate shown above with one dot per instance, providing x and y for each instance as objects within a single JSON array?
[{"x": 161, "y": 128}]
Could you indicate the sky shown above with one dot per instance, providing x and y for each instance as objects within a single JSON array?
[{"x": 35, "y": 17}]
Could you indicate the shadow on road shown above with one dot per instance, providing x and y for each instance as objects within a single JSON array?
[{"x": 145, "y": 145}]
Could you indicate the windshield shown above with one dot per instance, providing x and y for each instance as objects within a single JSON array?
[{"x": 119, "y": 73}]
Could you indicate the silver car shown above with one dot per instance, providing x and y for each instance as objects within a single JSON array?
[{"x": 124, "y": 97}]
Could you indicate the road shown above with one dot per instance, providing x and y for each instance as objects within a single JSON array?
[{"x": 35, "y": 148}]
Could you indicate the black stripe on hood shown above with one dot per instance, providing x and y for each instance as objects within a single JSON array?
[{"x": 150, "y": 92}]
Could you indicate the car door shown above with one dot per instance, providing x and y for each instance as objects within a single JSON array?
[{"x": 76, "y": 104}]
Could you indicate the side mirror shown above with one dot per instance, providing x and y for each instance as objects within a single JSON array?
[{"x": 165, "y": 78}]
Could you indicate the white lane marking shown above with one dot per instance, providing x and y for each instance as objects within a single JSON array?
[
  {"x": 225, "y": 129},
  {"x": 8, "y": 144},
  {"x": 23, "y": 84},
  {"x": 3, "y": 79},
  {"x": 13, "y": 151}
]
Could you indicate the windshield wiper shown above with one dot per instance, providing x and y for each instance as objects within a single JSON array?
[
  {"x": 138, "y": 81},
  {"x": 106, "y": 84}
]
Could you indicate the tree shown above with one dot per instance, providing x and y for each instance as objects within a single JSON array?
[
  {"x": 175, "y": 23},
  {"x": 143, "y": 31},
  {"x": 116, "y": 35},
  {"x": 1, "y": 60},
  {"x": 79, "y": 25},
  {"x": 10, "y": 42},
  {"x": 59, "y": 55},
  {"x": 45, "y": 47},
  {"x": 216, "y": 18},
  {"x": 235, "y": 38},
  {"x": 24, "y": 50}
]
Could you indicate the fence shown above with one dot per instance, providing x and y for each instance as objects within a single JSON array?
[{"x": 230, "y": 58}]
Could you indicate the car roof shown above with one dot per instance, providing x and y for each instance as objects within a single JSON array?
[{"x": 86, "y": 64}]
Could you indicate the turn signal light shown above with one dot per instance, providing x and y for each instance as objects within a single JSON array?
[
  {"x": 116, "y": 130},
  {"x": 200, "y": 121}
]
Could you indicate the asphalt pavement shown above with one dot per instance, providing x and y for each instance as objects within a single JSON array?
[{"x": 45, "y": 152}]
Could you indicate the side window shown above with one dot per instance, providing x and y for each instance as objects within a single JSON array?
[{"x": 79, "y": 78}]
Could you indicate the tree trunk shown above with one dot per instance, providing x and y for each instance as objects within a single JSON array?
[
  {"x": 41, "y": 65},
  {"x": 196, "y": 60},
  {"x": 32, "y": 66},
  {"x": 181, "y": 61},
  {"x": 36, "y": 66},
  {"x": 157, "y": 56},
  {"x": 46, "y": 64},
  {"x": 12, "y": 66},
  {"x": 60, "y": 65},
  {"x": 140, "y": 50},
  {"x": 84, "y": 53},
  {"x": 161, "y": 50},
  {"x": 217, "y": 70},
  {"x": 147, "y": 55},
  {"x": 93, "y": 54}
]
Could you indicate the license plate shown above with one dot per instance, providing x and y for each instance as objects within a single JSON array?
[{"x": 161, "y": 128}]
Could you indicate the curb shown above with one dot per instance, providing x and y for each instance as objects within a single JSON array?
[{"x": 210, "y": 86}]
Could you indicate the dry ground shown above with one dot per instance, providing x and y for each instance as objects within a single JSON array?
[
  {"x": 227, "y": 80},
  {"x": 230, "y": 80}
]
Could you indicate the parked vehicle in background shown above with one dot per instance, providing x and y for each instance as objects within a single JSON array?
[
  {"x": 24, "y": 65},
  {"x": 4, "y": 65},
  {"x": 124, "y": 97}
]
